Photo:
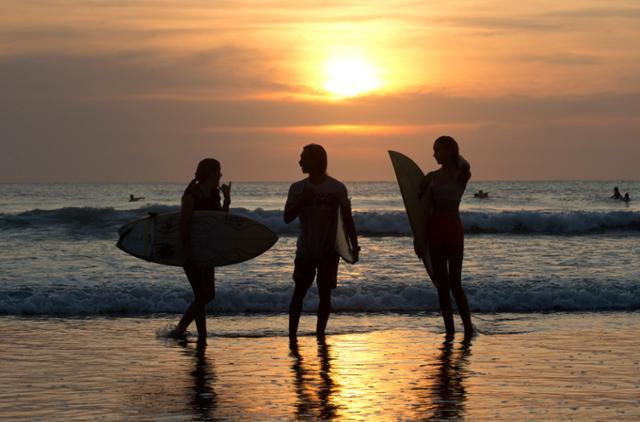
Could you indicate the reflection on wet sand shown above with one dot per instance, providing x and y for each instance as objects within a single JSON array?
[
  {"x": 204, "y": 399},
  {"x": 443, "y": 394},
  {"x": 315, "y": 393}
]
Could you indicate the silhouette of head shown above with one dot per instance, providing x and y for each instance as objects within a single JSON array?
[
  {"x": 207, "y": 168},
  {"x": 313, "y": 159},
  {"x": 446, "y": 150}
]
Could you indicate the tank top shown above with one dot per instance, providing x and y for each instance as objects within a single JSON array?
[{"x": 201, "y": 202}]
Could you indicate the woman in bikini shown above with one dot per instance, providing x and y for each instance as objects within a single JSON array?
[
  {"x": 445, "y": 188},
  {"x": 202, "y": 194}
]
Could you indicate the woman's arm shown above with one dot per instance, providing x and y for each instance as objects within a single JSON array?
[
  {"x": 465, "y": 170},
  {"x": 226, "y": 192},
  {"x": 424, "y": 185}
]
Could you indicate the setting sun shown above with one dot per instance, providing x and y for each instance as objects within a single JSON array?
[{"x": 348, "y": 76}]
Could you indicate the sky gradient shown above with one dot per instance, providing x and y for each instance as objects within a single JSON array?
[{"x": 141, "y": 90}]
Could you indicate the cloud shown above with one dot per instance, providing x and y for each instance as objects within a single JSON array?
[
  {"x": 141, "y": 90},
  {"x": 225, "y": 69},
  {"x": 71, "y": 118}
]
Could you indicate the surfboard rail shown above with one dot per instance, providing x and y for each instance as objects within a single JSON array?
[
  {"x": 219, "y": 238},
  {"x": 409, "y": 177},
  {"x": 343, "y": 244}
]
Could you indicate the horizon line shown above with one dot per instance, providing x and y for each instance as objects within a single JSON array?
[{"x": 116, "y": 182}]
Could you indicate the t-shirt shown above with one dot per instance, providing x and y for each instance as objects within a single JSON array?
[{"x": 319, "y": 218}]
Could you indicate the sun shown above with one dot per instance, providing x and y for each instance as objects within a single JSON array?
[{"x": 350, "y": 76}]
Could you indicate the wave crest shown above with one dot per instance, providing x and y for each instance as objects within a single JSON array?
[
  {"x": 146, "y": 298},
  {"x": 104, "y": 222}
]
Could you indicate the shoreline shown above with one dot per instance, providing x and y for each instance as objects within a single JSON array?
[{"x": 525, "y": 366}]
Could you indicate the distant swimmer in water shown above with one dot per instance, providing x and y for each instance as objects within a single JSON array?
[
  {"x": 626, "y": 198},
  {"x": 481, "y": 194},
  {"x": 135, "y": 198},
  {"x": 616, "y": 193}
]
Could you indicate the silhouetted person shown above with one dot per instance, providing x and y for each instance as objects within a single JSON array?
[
  {"x": 202, "y": 194},
  {"x": 616, "y": 193},
  {"x": 481, "y": 194},
  {"x": 445, "y": 234},
  {"x": 626, "y": 198},
  {"x": 135, "y": 198},
  {"x": 315, "y": 200}
]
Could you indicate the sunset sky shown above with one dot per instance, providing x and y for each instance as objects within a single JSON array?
[{"x": 141, "y": 90}]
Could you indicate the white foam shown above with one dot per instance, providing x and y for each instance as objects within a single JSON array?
[
  {"x": 104, "y": 222},
  {"x": 142, "y": 299}
]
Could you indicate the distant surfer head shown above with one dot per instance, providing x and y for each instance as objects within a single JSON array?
[
  {"x": 446, "y": 150},
  {"x": 207, "y": 168},
  {"x": 313, "y": 159}
]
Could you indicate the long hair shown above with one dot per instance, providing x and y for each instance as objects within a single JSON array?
[
  {"x": 206, "y": 168},
  {"x": 449, "y": 143},
  {"x": 318, "y": 155}
]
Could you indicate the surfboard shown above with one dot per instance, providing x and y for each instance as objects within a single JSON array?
[
  {"x": 219, "y": 238},
  {"x": 410, "y": 176},
  {"x": 343, "y": 245}
]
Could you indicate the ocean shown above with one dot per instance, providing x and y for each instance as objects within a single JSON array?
[
  {"x": 551, "y": 271},
  {"x": 529, "y": 247}
]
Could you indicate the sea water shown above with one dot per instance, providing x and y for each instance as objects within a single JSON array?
[{"x": 529, "y": 247}]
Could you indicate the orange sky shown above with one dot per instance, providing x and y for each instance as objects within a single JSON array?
[{"x": 141, "y": 90}]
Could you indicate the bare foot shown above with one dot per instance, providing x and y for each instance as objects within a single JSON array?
[{"x": 176, "y": 333}]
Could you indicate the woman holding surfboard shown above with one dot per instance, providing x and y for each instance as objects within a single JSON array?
[
  {"x": 202, "y": 194},
  {"x": 444, "y": 189}
]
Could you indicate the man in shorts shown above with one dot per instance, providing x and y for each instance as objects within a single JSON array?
[{"x": 315, "y": 200}]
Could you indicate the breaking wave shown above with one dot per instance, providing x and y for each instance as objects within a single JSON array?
[
  {"x": 104, "y": 222},
  {"x": 153, "y": 298}
]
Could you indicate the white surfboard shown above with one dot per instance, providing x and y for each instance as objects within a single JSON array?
[
  {"x": 410, "y": 177},
  {"x": 343, "y": 245},
  {"x": 219, "y": 238}
]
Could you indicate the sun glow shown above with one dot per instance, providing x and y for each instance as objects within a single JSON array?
[{"x": 350, "y": 75}]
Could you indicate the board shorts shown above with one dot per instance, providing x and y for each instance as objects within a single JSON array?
[
  {"x": 326, "y": 269},
  {"x": 446, "y": 233}
]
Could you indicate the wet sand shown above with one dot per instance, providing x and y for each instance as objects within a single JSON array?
[{"x": 371, "y": 367}]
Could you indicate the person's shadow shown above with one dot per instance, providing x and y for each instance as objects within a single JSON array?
[
  {"x": 316, "y": 404},
  {"x": 204, "y": 399}
]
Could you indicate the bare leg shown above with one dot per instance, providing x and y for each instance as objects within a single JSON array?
[
  {"x": 439, "y": 262},
  {"x": 455, "y": 280},
  {"x": 202, "y": 282},
  {"x": 295, "y": 309},
  {"x": 324, "y": 309}
]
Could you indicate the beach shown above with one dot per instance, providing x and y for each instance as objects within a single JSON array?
[
  {"x": 577, "y": 366},
  {"x": 552, "y": 284},
  {"x": 140, "y": 137}
]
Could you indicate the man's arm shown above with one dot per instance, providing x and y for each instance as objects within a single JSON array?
[
  {"x": 295, "y": 203},
  {"x": 291, "y": 211}
]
